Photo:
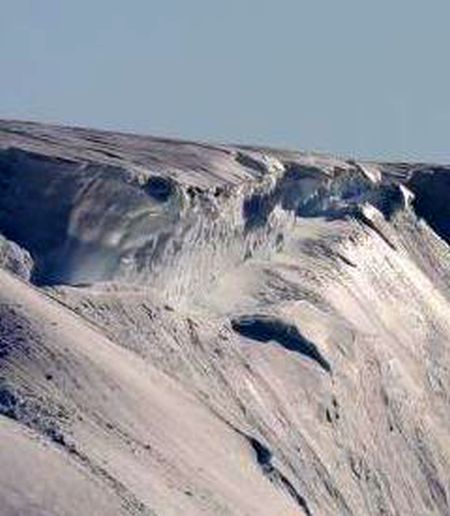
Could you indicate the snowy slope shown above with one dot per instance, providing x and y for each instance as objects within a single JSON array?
[{"x": 189, "y": 328}]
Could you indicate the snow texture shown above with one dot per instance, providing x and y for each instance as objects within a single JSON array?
[{"x": 188, "y": 328}]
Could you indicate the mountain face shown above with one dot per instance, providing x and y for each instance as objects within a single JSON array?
[{"x": 192, "y": 329}]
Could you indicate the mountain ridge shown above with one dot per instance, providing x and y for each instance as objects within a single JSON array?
[{"x": 220, "y": 329}]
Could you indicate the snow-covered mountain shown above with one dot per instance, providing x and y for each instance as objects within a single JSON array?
[{"x": 191, "y": 329}]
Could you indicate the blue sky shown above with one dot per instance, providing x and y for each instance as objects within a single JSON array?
[{"x": 361, "y": 78}]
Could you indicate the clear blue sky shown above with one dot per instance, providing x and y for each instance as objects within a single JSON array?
[{"x": 367, "y": 78}]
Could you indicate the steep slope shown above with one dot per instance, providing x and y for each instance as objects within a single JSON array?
[{"x": 219, "y": 329}]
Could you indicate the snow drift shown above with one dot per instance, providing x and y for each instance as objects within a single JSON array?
[{"x": 213, "y": 329}]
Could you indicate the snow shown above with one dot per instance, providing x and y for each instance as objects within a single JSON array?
[{"x": 126, "y": 384}]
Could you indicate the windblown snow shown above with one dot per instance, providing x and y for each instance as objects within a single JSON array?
[{"x": 192, "y": 329}]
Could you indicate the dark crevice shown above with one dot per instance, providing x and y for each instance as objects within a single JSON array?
[
  {"x": 432, "y": 199},
  {"x": 8, "y": 402},
  {"x": 257, "y": 209},
  {"x": 265, "y": 329},
  {"x": 263, "y": 454},
  {"x": 291, "y": 192},
  {"x": 264, "y": 459},
  {"x": 346, "y": 260},
  {"x": 159, "y": 188},
  {"x": 370, "y": 224},
  {"x": 389, "y": 200},
  {"x": 299, "y": 499}
]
